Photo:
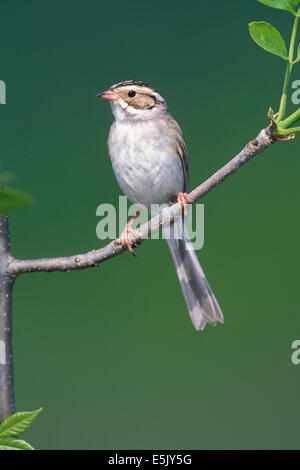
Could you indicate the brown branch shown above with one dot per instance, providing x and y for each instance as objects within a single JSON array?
[
  {"x": 7, "y": 402},
  {"x": 95, "y": 257}
]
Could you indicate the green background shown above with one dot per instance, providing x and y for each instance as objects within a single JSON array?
[{"x": 110, "y": 352}]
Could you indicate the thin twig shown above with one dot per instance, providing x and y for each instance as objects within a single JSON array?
[{"x": 95, "y": 257}]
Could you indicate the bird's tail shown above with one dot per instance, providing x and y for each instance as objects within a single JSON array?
[{"x": 201, "y": 302}]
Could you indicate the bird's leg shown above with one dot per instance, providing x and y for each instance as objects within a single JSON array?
[
  {"x": 124, "y": 240},
  {"x": 183, "y": 199}
]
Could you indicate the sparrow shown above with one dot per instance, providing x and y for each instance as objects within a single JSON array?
[{"x": 149, "y": 159}]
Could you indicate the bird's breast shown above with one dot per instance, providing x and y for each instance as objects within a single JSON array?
[{"x": 145, "y": 162}]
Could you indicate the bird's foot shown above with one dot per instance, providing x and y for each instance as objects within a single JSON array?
[
  {"x": 124, "y": 238},
  {"x": 183, "y": 199}
]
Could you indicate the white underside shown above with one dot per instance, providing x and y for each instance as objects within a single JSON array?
[{"x": 147, "y": 169}]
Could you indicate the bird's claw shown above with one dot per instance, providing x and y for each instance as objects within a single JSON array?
[
  {"x": 183, "y": 199},
  {"x": 124, "y": 238}
]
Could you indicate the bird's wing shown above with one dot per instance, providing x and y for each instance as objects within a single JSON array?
[{"x": 180, "y": 148}]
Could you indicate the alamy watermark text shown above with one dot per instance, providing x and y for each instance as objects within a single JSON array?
[{"x": 2, "y": 92}]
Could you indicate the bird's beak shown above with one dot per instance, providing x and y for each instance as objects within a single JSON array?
[{"x": 108, "y": 95}]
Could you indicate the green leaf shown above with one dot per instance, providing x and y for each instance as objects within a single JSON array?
[
  {"x": 269, "y": 38},
  {"x": 7, "y": 443},
  {"x": 288, "y": 5},
  {"x": 13, "y": 199},
  {"x": 293, "y": 3},
  {"x": 18, "y": 423}
]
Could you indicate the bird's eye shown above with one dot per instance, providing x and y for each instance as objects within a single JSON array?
[{"x": 131, "y": 93}]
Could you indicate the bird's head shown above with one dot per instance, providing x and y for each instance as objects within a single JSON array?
[{"x": 135, "y": 101}]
